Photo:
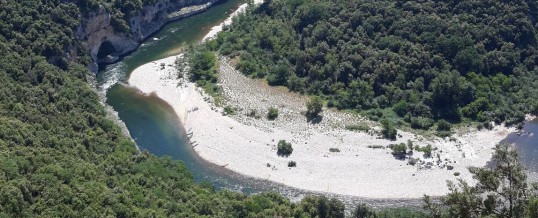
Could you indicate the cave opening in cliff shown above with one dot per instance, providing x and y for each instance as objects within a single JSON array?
[{"x": 105, "y": 49}]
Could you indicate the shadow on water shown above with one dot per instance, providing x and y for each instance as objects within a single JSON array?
[{"x": 155, "y": 127}]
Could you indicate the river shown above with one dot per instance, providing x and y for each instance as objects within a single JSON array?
[
  {"x": 527, "y": 146},
  {"x": 155, "y": 127}
]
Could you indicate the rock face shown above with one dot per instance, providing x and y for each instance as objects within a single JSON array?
[{"x": 106, "y": 44}]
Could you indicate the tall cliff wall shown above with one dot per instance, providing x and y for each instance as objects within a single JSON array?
[{"x": 106, "y": 44}]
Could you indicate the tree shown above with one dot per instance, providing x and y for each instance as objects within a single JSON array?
[
  {"x": 532, "y": 210},
  {"x": 400, "y": 108},
  {"x": 399, "y": 150},
  {"x": 443, "y": 125},
  {"x": 388, "y": 131},
  {"x": 363, "y": 211},
  {"x": 501, "y": 191},
  {"x": 272, "y": 113},
  {"x": 284, "y": 148},
  {"x": 505, "y": 185},
  {"x": 314, "y": 106},
  {"x": 292, "y": 164},
  {"x": 312, "y": 206}
]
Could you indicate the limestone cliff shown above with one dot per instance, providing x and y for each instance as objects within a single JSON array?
[{"x": 106, "y": 44}]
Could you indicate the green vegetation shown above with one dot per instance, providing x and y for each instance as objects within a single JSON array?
[
  {"x": 399, "y": 150},
  {"x": 229, "y": 110},
  {"x": 203, "y": 69},
  {"x": 376, "y": 146},
  {"x": 363, "y": 211},
  {"x": 501, "y": 191},
  {"x": 312, "y": 206},
  {"x": 388, "y": 131},
  {"x": 62, "y": 157},
  {"x": 60, "y": 154},
  {"x": 272, "y": 113},
  {"x": 284, "y": 148},
  {"x": 363, "y": 127},
  {"x": 426, "y": 149},
  {"x": 292, "y": 164},
  {"x": 451, "y": 60},
  {"x": 314, "y": 106},
  {"x": 443, "y": 128},
  {"x": 334, "y": 150}
]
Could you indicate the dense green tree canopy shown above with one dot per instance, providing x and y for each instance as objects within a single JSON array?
[
  {"x": 432, "y": 59},
  {"x": 61, "y": 156}
]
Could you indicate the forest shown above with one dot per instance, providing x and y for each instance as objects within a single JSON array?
[
  {"x": 421, "y": 61},
  {"x": 62, "y": 156}
]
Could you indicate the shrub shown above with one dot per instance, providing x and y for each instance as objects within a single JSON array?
[
  {"x": 488, "y": 125},
  {"x": 412, "y": 161},
  {"x": 400, "y": 213},
  {"x": 398, "y": 150},
  {"x": 400, "y": 108},
  {"x": 443, "y": 125},
  {"x": 284, "y": 148},
  {"x": 362, "y": 210},
  {"x": 426, "y": 149},
  {"x": 410, "y": 145},
  {"x": 292, "y": 164},
  {"x": 253, "y": 113},
  {"x": 535, "y": 110},
  {"x": 376, "y": 146},
  {"x": 314, "y": 106},
  {"x": 456, "y": 173},
  {"x": 358, "y": 127},
  {"x": 334, "y": 150},
  {"x": 388, "y": 131},
  {"x": 229, "y": 110},
  {"x": 272, "y": 113},
  {"x": 532, "y": 210},
  {"x": 421, "y": 123}
]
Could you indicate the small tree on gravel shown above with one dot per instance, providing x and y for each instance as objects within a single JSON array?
[
  {"x": 399, "y": 150},
  {"x": 284, "y": 148},
  {"x": 388, "y": 131},
  {"x": 314, "y": 106},
  {"x": 272, "y": 114},
  {"x": 292, "y": 164}
]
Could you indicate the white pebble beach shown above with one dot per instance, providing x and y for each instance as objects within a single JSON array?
[{"x": 247, "y": 145}]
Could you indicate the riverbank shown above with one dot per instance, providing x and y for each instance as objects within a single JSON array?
[
  {"x": 216, "y": 29},
  {"x": 247, "y": 144}
]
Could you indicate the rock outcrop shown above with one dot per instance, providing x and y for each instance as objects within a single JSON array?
[{"x": 107, "y": 44}]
